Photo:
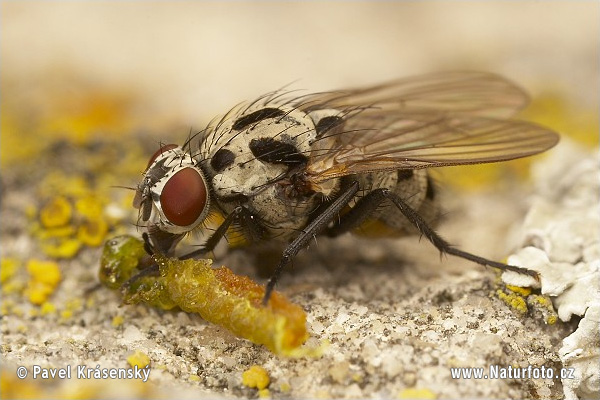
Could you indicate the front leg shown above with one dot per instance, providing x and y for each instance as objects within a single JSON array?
[{"x": 239, "y": 215}]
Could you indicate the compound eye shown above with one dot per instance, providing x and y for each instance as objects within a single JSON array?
[
  {"x": 184, "y": 197},
  {"x": 163, "y": 149}
]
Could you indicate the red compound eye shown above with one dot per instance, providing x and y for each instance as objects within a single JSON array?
[
  {"x": 163, "y": 149},
  {"x": 183, "y": 197}
]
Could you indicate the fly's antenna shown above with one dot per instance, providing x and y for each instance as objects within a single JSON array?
[{"x": 123, "y": 187}]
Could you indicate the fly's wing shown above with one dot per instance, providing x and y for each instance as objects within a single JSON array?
[
  {"x": 468, "y": 92},
  {"x": 431, "y": 121}
]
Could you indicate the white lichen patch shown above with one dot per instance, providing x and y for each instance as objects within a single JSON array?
[{"x": 560, "y": 239}]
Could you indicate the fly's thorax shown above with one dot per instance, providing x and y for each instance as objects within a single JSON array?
[
  {"x": 279, "y": 216},
  {"x": 255, "y": 147},
  {"x": 250, "y": 158},
  {"x": 173, "y": 196}
]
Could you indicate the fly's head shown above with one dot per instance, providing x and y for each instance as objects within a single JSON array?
[{"x": 173, "y": 197}]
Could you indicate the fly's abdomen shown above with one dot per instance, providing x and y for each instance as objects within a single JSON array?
[{"x": 415, "y": 187}]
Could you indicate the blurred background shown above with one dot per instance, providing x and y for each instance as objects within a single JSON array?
[{"x": 75, "y": 69}]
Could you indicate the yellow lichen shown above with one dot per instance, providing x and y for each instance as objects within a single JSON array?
[
  {"x": 47, "y": 308},
  {"x": 56, "y": 181},
  {"x": 117, "y": 321},
  {"x": 544, "y": 305},
  {"x": 256, "y": 377},
  {"x": 417, "y": 393},
  {"x": 44, "y": 276},
  {"x": 513, "y": 300},
  {"x": 61, "y": 248},
  {"x": 79, "y": 116},
  {"x": 71, "y": 306},
  {"x": 38, "y": 292},
  {"x": 13, "y": 388},
  {"x": 58, "y": 232},
  {"x": 552, "y": 109},
  {"x": 285, "y": 387},
  {"x": 523, "y": 291},
  {"x": 74, "y": 304},
  {"x": 543, "y": 301},
  {"x": 6, "y": 307},
  {"x": 73, "y": 215},
  {"x": 90, "y": 302},
  {"x": 57, "y": 212},
  {"x": 13, "y": 286},
  {"x": 89, "y": 205},
  {"x": 8, "y": 268},
  {"x": 264, "y": 393},
  {"x": 139, "y": 359},
  {"x": 47, "y": 272},
  {"x": 92, "y": 232}
]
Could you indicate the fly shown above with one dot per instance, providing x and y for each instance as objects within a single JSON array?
[{"x": 286, "y": 169}]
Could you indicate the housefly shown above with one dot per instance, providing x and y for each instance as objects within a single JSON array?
[{"x": 287, "y": 168}]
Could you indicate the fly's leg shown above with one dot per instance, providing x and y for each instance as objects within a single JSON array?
[
  {"x": 312, "y": 229},
  {"x": 357, "y": 214},
  {"x": 147, "y": 268},
  {"x": 240, "y": 213},
  {"x": 413, "y": 216},
  {"x": 371, "y": 201},
  {"x": 211, "y": 243},
  {"x": 444, "y": 246}
]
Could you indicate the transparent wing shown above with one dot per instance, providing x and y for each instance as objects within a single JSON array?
[
  {"x": 430, "y": 142},
  {"x": 474, "y": 93},
  {"x": 430, "y": 121}
]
